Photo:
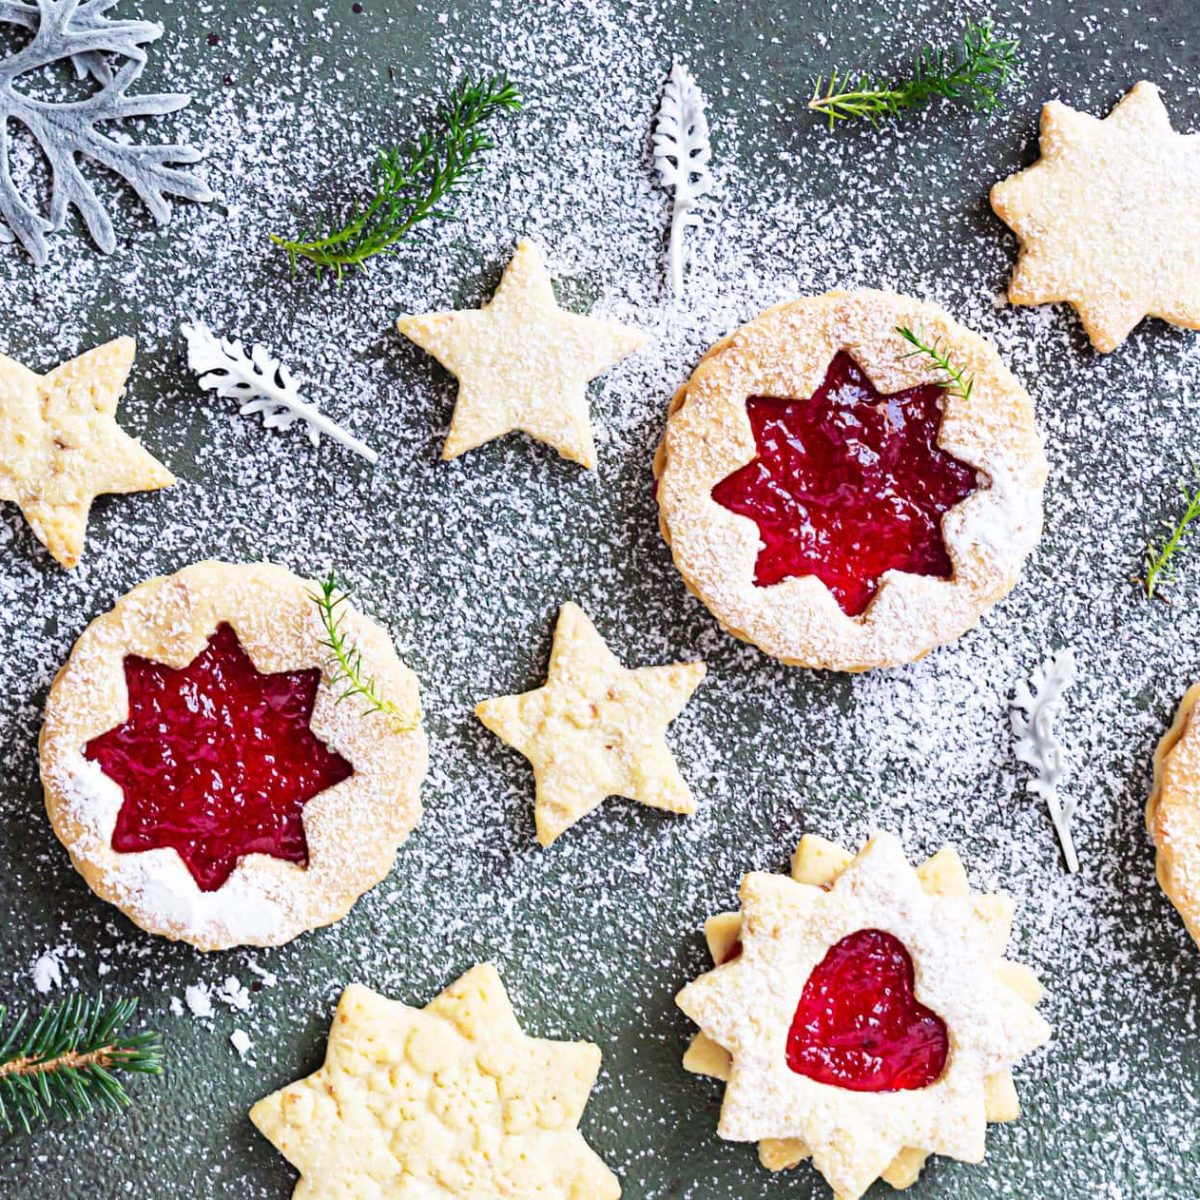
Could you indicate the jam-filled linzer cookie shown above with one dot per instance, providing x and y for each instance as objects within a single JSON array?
[
  {"x": 1173, "y": 813},
  {"x": 850, "y": 480},
  {"x": 862, "y": 1013},
  {"x": 452, "y": 1101},
  {"x": 210, "y": 767}
]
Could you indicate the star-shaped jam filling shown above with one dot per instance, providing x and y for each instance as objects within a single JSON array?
[
  {"x": 216, "y": 760},
  {"x": 848, "y": 484}
]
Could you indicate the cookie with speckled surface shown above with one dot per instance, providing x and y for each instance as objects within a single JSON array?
[
  {"x": 595, "y": 728},
  {"x": 1109, "y": 218},
  {"x": 61, "y": 447},
  {"x": 309, "y": 861},
  {"x": 452, "y": 1100},
  {"x": 1173, "y": 812},
  {"x": 522, "y": 362},
  {"x": 802, "y": 1079},
  {"x": 787, "y": 352}
]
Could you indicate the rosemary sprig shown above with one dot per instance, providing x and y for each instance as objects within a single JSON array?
[
  {"x": 412, "y": 183},
  {"x": 1160, "y": 565},
  {"x": 346, "y": 660},
  {"x": 976, "y": 75},
  {"x": 954, "y": 379},
  {"x": 68, "y": 1058}
]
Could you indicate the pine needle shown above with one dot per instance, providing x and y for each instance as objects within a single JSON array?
[
  {"x": 982, "y": 67},
  {"x": 953, "y": 379},
  {"x": 1160, "y": 556},
  {"x": 412, "y": 183},
  {"x": 68, "y": 1058},
  {"x": 346, "y": 660}
]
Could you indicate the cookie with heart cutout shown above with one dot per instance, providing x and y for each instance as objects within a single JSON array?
[{"x": 862, "y": 1014}]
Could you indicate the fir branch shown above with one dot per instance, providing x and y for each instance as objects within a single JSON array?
[
  {"x": 68, "y": 1058},
  {"x": 1160, "y": 556},
  {"x": 346, "y": 660},
  {"x": 953, "y": 379},
  {"x": 412, "y": 184},
  {"x": 976, "y": 75}
]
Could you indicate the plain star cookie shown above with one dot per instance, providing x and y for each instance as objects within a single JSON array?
[
  {"x": 61, "y": 447},
  {"x": 862, "y": 1014},
  {"x": 452, "y": 1100},
  {"x": 522, "y": 362},
  {"x": 1108, "y": 219},
  {"x": 210, "y": 771},
  {"x": 595, "y": 729},
  {"x": 1173, "y": 812},
  {"x": 840, "y": 499}
]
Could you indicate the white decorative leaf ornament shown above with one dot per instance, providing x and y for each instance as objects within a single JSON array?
[
  {"x": 681, "y": 156},
  {"x": 77, "y": 31},
  {"x": 1034, "y": 710},
  {"x": 264, "y": 384}
]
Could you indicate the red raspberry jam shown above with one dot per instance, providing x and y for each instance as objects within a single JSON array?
[
  {"x": 848, "y": 484},
  {"x": 858, "y": 1024},
  {"x": 216, "y": 760}
]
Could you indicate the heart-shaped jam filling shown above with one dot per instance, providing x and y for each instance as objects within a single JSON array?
[
  {"x": 858, "y": 1024},
  {"x": 848, "y": 484},
  {"x": 216, "y": 760}
]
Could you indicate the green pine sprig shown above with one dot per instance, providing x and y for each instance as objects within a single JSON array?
[
  {"x": 1160, "y": 556},
  {"x": 68, "y": 1059},
  {"x": 953, "y": 379},
  {"x": 976, "y": 74},
  {"x": 346, "y": 664},
  {"x": 412, "y": 183}
]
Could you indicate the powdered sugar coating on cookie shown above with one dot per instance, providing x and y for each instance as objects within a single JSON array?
[
  {"x": 785, "y": 352},
  {"x": 352, "y": 828}
]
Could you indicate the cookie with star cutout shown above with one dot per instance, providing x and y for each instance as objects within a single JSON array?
[
  {"x": 841, "y": 499},
  {"x": 1108, "y": 219},
  {"x": 452, "y": 1100},
  {"x": 522, "y": 362},
  {"x": 595, "y": 728},
  {"x": 61, "y": 446},
  {"x": 210, "y": 771},
  {"x": 862, "y": 1014}
]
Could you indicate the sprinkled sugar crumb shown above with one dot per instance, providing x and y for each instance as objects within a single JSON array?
[{"x": 466, "y": 563}]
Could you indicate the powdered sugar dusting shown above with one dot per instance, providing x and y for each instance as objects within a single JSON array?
[{"x": 466, "y": 563}]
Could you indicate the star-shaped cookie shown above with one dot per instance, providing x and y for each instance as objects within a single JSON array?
[
  {"x": 61, "y": 447},
  {"x": 1109, "y": 218},
  {"x": 595, "y": 729},
  {"x": 522, "y": 362},
  {"x": 452, "y": 1100}
]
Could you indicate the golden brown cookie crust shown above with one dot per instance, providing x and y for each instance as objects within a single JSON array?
[
  {"x": 353, "y": 829},
  {"x": 786, "y": 352},
  {"x": 1173, "y": 812}
]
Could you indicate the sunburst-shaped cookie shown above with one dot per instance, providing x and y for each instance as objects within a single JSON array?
[
  {"x": 1109, "y": 218},
  {"x": 862, "y": 1013},
  {"x": 452, "y": 1100}
]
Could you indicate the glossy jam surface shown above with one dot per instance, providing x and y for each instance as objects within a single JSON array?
[
  {"x": 216, "y": 760},
  {"x": 858, "y": 1024},
  {"x": 848, "y": 483}
]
